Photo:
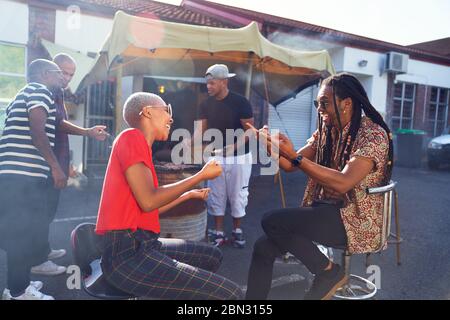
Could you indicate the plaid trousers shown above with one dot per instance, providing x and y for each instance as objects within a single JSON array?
[{"x": 144, "y": 265}]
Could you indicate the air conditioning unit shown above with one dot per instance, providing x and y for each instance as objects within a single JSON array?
[{"x": 396, "y": 62}]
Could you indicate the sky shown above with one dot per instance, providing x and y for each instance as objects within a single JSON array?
[{"x": 402, "y": 22}]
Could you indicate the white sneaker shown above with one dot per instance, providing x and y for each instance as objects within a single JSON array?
[
  {"x": 7, "y": 294},
  {"x": 55, "y": 254},
  {"x": 48, "y": 268},
  {"x": 31, "y": 293},
  {"x": 37, "y": 284}
]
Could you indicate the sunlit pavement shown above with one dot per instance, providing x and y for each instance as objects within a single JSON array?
[{"x": 424, "y": 202}]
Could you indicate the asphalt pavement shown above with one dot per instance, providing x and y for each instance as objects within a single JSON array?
[{"x": 424, "y": 202}]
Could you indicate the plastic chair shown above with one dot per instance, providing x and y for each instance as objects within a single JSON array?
[{"x": 86, "y": 248}]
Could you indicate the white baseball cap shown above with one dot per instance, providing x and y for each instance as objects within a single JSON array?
[{"x": 218, "y": 71}]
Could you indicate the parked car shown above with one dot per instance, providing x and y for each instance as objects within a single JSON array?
[{"x": 439, "y": 150}]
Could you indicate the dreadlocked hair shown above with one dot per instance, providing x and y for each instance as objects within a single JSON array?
[
  {"x": 345, "y": 85},
  {"x": 323, "y": 157}
]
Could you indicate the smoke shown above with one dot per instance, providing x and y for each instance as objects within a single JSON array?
[{"x": 303, "y": 43}]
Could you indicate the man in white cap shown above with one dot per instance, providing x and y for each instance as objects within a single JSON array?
[{"x": 226, "y": 110}]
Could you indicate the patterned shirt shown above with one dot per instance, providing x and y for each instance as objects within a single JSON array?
[
  {"x": 18, "y": 155},
  {"x": 361, "y": 213}
]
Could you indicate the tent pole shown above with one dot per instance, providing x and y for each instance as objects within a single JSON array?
[
  {"x": 248, "y": 85},
  {"x": 280, "y": 182},
  {"x": 277, "y": 177},
  {"x": 118, "y": 113}
]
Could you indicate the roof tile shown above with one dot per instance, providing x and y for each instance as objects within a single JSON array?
[
  {"x": 163, "y": 11},
  {"x": 311, "y": 29}
]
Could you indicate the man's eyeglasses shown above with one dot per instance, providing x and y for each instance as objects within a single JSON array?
[
  {"x": 321, "y": 104},
  {"x": 167, "y": 108},
  {"x": 56, "y": 71}
]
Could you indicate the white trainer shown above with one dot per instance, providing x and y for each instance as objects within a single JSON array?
[
  {"x": 7, "y": 294},
  {"x": 31, "y": 293},
  {"x": 48, "y": 268},
  {"x": 55, "y": 254},
  {"x": 37, "y": 284}
]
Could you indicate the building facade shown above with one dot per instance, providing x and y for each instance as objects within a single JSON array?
[
  {"x": 414, "y": 93},
  {"x": 78, "y": 26},
  {"x": 414, "y": 96}
]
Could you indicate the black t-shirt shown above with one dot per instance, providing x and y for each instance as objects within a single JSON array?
[{"x": 226, "y": 114}]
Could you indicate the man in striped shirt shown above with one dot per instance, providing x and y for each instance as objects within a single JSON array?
[
  {"x": 26, "y": 162},
  {"x": 61, "y": 149}
]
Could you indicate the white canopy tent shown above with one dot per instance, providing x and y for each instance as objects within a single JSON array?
[{"x": 141, "y": 46}]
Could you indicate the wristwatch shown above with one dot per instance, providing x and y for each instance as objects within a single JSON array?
[{"x": 297, "y": 161}]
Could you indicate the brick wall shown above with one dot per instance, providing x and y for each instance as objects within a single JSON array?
[
  {"x": 41, "y": 25},
  {"x": 421, "y": 102}
]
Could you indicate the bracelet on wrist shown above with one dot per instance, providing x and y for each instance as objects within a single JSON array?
[{"x": 297, "y": 161}]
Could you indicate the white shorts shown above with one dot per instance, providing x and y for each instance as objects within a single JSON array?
[{"x": 231, "y": 185}]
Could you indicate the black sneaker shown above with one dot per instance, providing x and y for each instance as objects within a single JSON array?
[
  {"x": 237, "y": 238},
  {"x": 326, "y": 284},
  {"x": 210, "y": 234},
  {"x": 217, "y": 239}
]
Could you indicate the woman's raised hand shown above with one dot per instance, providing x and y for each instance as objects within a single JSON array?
[
  {"x": 201, "y": 194},
  {"x": 212, "y": 169}
]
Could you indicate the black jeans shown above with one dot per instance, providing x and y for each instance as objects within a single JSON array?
[
  {"x": 293, "y": 230},
  {"x": 51, "y": 205},
  {"x": 22, "y": 209}
]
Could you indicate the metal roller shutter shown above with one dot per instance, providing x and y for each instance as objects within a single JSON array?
[{"x": 294, "y": 117}]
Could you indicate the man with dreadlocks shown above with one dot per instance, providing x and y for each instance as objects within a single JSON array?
[{"x": 349, "y": 153}]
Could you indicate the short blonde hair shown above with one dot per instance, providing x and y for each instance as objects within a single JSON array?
[{"x": 134, "y": 104}]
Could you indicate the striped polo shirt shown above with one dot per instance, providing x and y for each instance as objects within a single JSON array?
[{"x": 18, "y": 155}]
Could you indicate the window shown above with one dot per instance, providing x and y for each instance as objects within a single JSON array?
[
  {"x": 12, "y": 74},
  {"x": 403, "y": 109},
  {"x": 437, "y": 114},
  {"x": 2, "y": 116}
]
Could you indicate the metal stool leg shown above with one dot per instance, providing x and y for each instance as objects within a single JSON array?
[
  {"x": 396, "y": 236},
  {"x": 396, "y": 239},
  {"x": 352, "y": 290},
  {"x": 397, "y": 227}
]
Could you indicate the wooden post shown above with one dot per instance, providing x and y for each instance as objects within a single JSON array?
[
  {"x": 283, "y": 199},
  {"x": 277, "y": 177},
  {"x": 248, "y": 85}
]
